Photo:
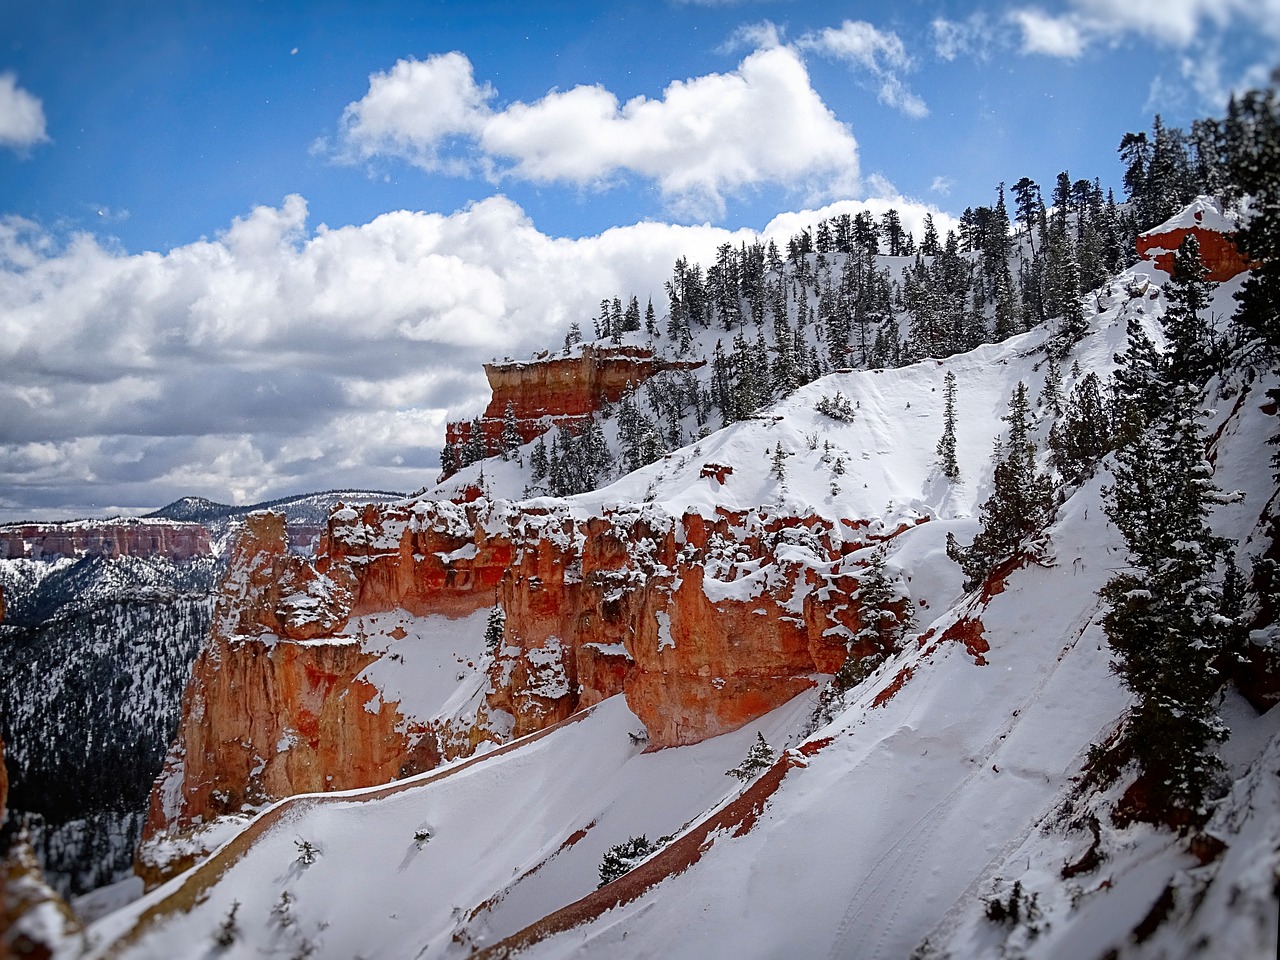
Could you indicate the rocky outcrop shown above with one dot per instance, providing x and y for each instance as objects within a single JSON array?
[
  {"x": 34, "y": 920},
  {"x": 704, "y": 623},
  {"x": 552, "y": 391},
  {"x": 104, "y": 538},
  {"x": 1213, "y": 231}
]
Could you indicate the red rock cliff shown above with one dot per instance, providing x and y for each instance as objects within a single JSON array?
[
  {"x": 1201, "y": 219},
  {"x": 705, "y": 623},
  {"x": 107, "y": 538},
  {"x": 557, "y": 391}
]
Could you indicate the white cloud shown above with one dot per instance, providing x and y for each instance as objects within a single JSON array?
[
  {"x": 972, "y": 36},
  {"x": 1052, "y": 36},
  {"x": 880, "y": 53},
  {"x": 942, "y": 185},
  {"x": 1180, "y": 24},
  {"x": 707, "y": 137},
  {"x": 415, "y": 108},
  {"x": 273, "y": 358},
  {"x": 22, "y": 122},
  {"x": 911, "y": 212}
]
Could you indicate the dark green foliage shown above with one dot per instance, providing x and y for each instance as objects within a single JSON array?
[
  {"x": 759, "y": 758},
  {"x": 947, "y": 442},
  {"x": 494, "y": 628},
  {"x": 1020, "y": 506},
  {"x": 619, "y": 859},
  {"x": 1082, "y": 436},
  {"x": 1192, "y": 352},
  {"x": 836, "y": 407},
  {"x": 1165, "y": 621},
  {"x": 93, "y": 662},
  {"x": 1253, "y": 149}
]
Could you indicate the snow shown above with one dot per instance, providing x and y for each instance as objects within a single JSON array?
[
  {"x": 433, "y": 671},
  {"x": 493, "y": 856},
  {"x": 948, "y": 776},
  {"x": 1203, "y": 213}
]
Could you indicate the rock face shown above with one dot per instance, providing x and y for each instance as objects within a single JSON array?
[
  {"x": 105, "y": 538},
  {"x": 704, "y": 623},
  {"x": 557, "y": 391},
  {"x": 1212, "y": 231}
]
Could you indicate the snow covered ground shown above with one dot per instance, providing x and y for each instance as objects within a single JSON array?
[{"x": 948, "y": 777}]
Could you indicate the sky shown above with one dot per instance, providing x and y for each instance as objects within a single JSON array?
[{"x": 250, "y": 249}]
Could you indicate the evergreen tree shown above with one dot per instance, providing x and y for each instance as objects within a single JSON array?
[
  {"x": 510, "y": 441},
  {"x": 538, "y": 460},
  {"x": 1080, "y": 438},
  {"x": 758, "y": 759},
  {"x": 621, "y": 858},
  {"x": 1191, "y": 340},
  {"x": 947, "y": 443},
  {"x": 1020, "y": 505},
  {"x": 494, "y": 628},
  {"x": 1165, "y": 619}
]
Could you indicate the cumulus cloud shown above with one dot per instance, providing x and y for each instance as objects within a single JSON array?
[
  {"x": 273, "y": 358},
  {"x": 22, "y": 122},
  {"x": 941, "y": 185},
  {"x": 880, "y": 53},
  {"x": 1052, "y": 36},
  {"x": 704, "y": 139},
  {"x": 415, "y": 110}
]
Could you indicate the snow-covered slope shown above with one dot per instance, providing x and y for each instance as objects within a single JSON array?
[{"x": 950, "y": 774}]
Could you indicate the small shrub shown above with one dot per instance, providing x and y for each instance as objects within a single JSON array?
[
  {"x": 837, "y": 407},
  {"x": 619, "y": 859},
  {"x": 759, "y": 757},
  {"x": 307, "y": 852},
  {"x": 228, "y": 930}
]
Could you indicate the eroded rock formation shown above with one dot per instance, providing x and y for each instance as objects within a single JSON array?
[
  {"x": 553, "y": 391},
  {"x": 104, "y": 538},
  {"x": 1221, "y": 258},
  {"x": 704, "y": 623}
]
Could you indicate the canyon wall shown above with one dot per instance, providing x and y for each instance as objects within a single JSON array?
[
  {"x": 551, "y": 391},
  {"x": 1221, "y": 258},
  {"x": 704, "y": 623},
  {"x": 105, "y": 538}
]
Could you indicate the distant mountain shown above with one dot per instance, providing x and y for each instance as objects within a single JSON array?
[{"x": 313, "y": 507}]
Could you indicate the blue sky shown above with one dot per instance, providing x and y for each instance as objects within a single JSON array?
[{"x": 248, "y": 249}]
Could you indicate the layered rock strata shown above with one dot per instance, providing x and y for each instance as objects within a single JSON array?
[
  {"x": 705, "y": 623},
  {"x": 105, "y": 538},
  {"x": 557, "y": 391}
]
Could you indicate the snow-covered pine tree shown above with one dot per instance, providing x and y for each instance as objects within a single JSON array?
[
  {"x": 510, "y": 441},
  {"x": 494, "y": 628},
  {"x": 619, "y": 859},
  {"x": 947, "y": 442},
  {"x": 1020, "y": 506},
  {"x": 1082, "y": 435},
  {"x": 1165, "y": 620},
  {"x": 1192, "y": 350},
  {"x": 759, "y": 758}
]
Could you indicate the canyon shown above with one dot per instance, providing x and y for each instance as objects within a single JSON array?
[{"x": 104, "y": 538}]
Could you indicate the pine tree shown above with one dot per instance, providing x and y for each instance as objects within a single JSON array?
[
  {"x": 1191, "y": 340},
  {"x": 1020, "y": 506},
  {"x": 494, "y": 628},
  {"x": 621, "y": 858},
  {"x": 947, "y": 443},
  {"x": 759, "y": 758},
  {"x": 1165, "y": 622},
  {"x": 510, "y": 441},
  {"x": 1081, "y": 437},
  {"x": 778, "y": 461}
]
